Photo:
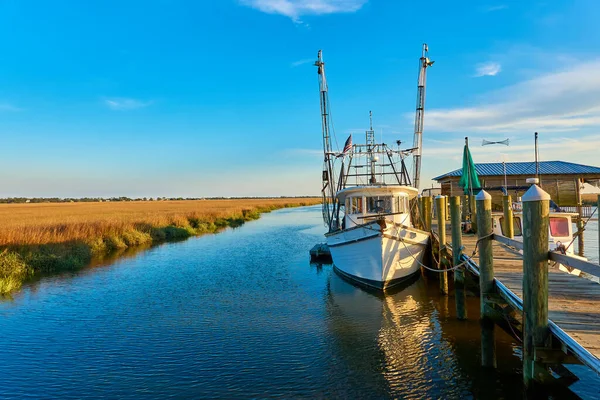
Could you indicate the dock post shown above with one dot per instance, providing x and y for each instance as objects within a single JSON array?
[
  {"x": 465, "y": 209},
  {"x": 509, "y": 228},
  {"x": 580, "y": 225},
  {"x": 536, "y": 217},
  {"x": 447, "y": 207},
  {"x": 459, "y": 273},
  {"x": 486, "y": 278},
  {"x": 440, "y": 205},
  {"x": 473, "y": 212},
  {"x": 418, "y": 214},
  {"x": 427, "y": 213}
]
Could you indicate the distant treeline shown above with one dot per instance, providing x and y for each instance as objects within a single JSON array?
[{"x": 10, "y": 200}]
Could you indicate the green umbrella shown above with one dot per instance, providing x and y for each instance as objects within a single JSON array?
[{"x": 469, "y": 180}]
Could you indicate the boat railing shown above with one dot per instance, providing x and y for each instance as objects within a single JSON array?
[{"x": 586, "y": 211}]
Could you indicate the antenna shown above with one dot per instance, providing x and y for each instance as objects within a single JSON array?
[
  {"x": 537, "y": 162},
  {"x": 487, "y": 142},
  {"x": 370, "y": 147},
  {"x": 424, "y": 62}
]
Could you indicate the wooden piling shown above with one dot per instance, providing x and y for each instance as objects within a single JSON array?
[
  {"x": 509, "y": 230},
  {"x": 465, "y": 210},
  {"x": 459, "y": 273},
  {"x": 473, "y": 212},
  {"x": 447, "y": 207},
  {"x": 536, "y": 216},
  {"x": 427, "y": 203},
  {"x": 440, "y": 203},
  {"x": 580, "y": 225},
  {"x": 486, "y": 278},
  {"x": 419, "y": 213},
  {"x": 598, "y": 215}
]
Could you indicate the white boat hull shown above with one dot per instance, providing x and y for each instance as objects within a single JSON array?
[{"x": 380, "y": 256}]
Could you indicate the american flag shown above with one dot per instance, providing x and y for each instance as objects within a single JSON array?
[{"x": 347, "y": 145}]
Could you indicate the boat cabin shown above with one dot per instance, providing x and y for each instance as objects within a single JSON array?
[
  {"x": 560, "y": 229},
  {"x": 362, "y": 204}
]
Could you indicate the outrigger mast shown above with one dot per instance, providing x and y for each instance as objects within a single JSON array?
[
  {"x": 424, "y": 62},
  {"x": 329, "y": 187},
  {"x": 369, "y": 164}
]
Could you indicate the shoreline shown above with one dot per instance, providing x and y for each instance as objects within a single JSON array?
[{"x": 20, "y": 263}]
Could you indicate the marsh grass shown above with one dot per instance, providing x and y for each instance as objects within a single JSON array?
[{"x": 46, "y": 238}]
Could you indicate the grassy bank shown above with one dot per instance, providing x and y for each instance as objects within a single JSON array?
[{"x": 44, "y": 238}]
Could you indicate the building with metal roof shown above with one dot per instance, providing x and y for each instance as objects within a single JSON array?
[
  {"x": 527, "y": 168},
  {"x": 562, "y": 180}
]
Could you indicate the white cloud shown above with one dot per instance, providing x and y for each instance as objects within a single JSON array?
[
  {"x": 555, "y": 102},
  {"x": 552, "y": 147},
  {"x": 487, "y": 69},
  {"x": 301, "y": 62},
  {"x": 495, "y": 8},
  {"x": 120, "y": 103},
  {"x": 294, "y": 9}
]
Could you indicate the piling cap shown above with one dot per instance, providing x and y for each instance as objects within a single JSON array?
[
  {"x": 439, "y": 196},
  {"x": 535, "y": 193},
  {"x": 483, "y": 195}
]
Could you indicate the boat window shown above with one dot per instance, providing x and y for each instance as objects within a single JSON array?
[
  {"x": 559, "y": 227},
  {"x": 356, "y": 205},
  {"x": 516, "y": 226},
  {"x": 379, "y": 204},
  {"x": 401, "y": 204}
]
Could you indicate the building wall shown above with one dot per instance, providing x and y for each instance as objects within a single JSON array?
[{"x": 560, "y": 188}]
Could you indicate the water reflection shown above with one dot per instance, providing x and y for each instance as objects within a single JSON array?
[{"x": 398, "y": 345}]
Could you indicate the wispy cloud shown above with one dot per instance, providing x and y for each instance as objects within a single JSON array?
[
  {"x": 487, "y": 69},
  {"x": 9, "y": 107},
  {"x": 121, "y": 103},
  {"x": 497, "y": 7},
  {"x": 303, "y": 152},
  {"x": 294, "y": 9},
  {"x": 559, "y": 101},
  {"x": 552, "y": 147},
  {"x": 301, "y": 62}
]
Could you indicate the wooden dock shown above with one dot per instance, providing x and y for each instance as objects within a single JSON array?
[
  {"x": 557, "y": 316},
  {"x": 573, "y": 301}
]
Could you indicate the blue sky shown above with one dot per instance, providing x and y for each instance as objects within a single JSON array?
[{"x": 209, "y": 98}]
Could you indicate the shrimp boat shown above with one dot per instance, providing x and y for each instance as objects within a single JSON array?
[{"x": 367, "y": 200}]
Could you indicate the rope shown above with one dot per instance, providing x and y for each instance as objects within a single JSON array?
[{"x": 511, "y": 328}]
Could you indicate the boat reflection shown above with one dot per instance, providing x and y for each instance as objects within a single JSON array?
[{"x": 409, "y": 344}]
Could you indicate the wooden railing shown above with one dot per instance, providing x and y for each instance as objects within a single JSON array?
[{"x": 564, "y": 259}]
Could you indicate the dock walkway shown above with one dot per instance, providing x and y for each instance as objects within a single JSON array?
[{"x": 573, "y": 301}]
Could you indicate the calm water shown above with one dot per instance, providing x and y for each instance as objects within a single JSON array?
[{"x": 242, "y": 314}]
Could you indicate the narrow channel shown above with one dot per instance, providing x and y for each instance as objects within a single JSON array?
[{"x": 242, "y": 314}]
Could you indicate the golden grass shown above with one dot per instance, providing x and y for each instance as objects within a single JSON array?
[
  {"x": 26, "y": 224},
  {"x": 48, "y": 237}
]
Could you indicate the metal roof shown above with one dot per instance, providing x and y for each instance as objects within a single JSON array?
[{"x": 527, "y": 168}]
